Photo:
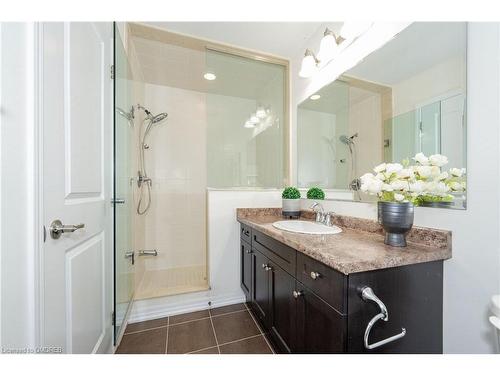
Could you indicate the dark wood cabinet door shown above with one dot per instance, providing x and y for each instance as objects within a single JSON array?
[
  {"x": 413, "y": 296},
  {"x": 246, "y": 269},
  {"x": 320, "y": 328},
  {"x": 261, "y": 300},
  {"x": 283, "y": 305}
]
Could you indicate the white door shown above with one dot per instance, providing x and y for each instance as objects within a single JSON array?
[{"x": 76, "y": 92}]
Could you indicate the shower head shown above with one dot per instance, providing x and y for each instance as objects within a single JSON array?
[
  {"x": 129, "y": 116},
  {"x": 159, "y": 117},
  {"x": 154, "y": 119},
  {"x": 348, "y": 140}
]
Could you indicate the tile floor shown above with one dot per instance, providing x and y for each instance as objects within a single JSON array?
[{"x": 223, "y": 330}]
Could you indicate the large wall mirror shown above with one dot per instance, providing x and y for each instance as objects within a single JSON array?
[{"x": 405, "y": 98}]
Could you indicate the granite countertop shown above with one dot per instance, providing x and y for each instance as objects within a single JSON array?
[{"x": 360, "y": 247}]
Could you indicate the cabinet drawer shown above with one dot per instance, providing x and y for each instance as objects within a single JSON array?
[
  {"x": 327, "y": 283},
  {"x": 246, "y": 233},
  {"x": 277, "y": 252}
]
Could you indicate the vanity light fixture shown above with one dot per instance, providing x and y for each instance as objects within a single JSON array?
[
  {"x": 209, "y": 76},
  {"x": 309, "y": 64},
  {"x": 315, "y": 97},
  {"x": 329, "y": 46}
]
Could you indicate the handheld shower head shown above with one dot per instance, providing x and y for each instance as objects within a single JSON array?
[
  {"x": 159, "y": 117},
  {"x": 348, "y": 140}
]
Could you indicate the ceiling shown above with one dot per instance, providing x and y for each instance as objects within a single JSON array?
[{"x": 282, "y": 39}]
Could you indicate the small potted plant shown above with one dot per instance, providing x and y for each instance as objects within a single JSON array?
[
  {"x": 291, "y": 202},
  {"x": 315, "y": 193},
  {"x": 400, "y": 187}
]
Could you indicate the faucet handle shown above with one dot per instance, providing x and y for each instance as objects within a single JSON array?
[{"x": 328, "y": 218}]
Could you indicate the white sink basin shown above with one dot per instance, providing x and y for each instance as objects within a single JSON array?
[{"x": 306, "y": 227}]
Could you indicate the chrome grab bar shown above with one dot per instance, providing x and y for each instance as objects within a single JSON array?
[{"x": 368, "y": 295}]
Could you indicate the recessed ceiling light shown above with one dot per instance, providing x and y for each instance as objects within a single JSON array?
[
  {"x": 209, "y": 76},
  {"x": 315, "y": 97}
]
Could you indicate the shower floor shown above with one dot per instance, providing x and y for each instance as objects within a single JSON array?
[{"x": 167, "y": 282}]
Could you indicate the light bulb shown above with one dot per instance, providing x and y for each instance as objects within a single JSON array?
[
  {"x": 260, "y": 113},
  {"x": 328, "y": 48},
  {"x": 249, "y": 124},
  {"x": 254, "y": 119},
  {"x": 309, "y": 65},
  {"x": 351, "y": 30}
]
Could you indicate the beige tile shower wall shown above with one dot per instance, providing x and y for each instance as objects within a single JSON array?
[
  {"x": 137, "y": 97},
  {"x": 365, "y": 118},
  {"x": 176, "y": 163}
]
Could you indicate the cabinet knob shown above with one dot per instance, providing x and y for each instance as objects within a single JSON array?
[
  {"x": 297, "y": 294},
  {"x": 315, "y": 275},
  {"x": 249, "y": 251},
  {"x": 267, "y": 267}
]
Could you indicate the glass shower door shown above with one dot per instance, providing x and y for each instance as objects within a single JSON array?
[{"x": 123, "y": 194}]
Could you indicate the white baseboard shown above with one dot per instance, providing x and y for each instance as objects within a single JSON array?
[{"x": 161, "y": 307}]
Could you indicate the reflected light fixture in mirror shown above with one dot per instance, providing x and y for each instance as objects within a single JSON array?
[
  {"x": 315, "y": 97},
  {"x": 209, "y": 76},
  {"x": 309, "y": 64}
]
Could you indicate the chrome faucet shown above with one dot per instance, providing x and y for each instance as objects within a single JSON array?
[
  {"x": 321, "y": 216},
  {"x": 320, "y": 212}
]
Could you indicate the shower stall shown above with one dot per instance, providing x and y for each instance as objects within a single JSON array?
[{"x": 191, "y": 117}]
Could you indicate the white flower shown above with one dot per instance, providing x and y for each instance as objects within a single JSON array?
[
  {"x": 379, "y": 168},
  {"x": 457, "y": 172},
  {"x": 424, "y": 170},
  {"x": 421, "y": 159},
  {"x": 443, "y": 176},
  {"x": 457, "y": 186},
  {"x": 437, "y": 188},
  {"x": 380, "y": 176},
  {"x": 399, "y": 185},
  {"x": 438, "y": 160},
  {"x": 435, "y": 171},
  {"x": 366, "y": 177},
  {"x": 405, "y": 173},
  {"x": 371, "y": 185},
  {"x": 393, "y": 168},
  {"x": 417, "y": 187},
  {"x": 399, "y": 197}
]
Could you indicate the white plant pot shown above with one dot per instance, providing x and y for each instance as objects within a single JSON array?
[{"x": 291, "y": 207}]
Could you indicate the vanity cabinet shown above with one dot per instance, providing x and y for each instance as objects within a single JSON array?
[{"x": 304, "y": 306}]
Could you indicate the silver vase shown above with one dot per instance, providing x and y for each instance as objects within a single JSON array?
[{"x": 397, "y": 220}]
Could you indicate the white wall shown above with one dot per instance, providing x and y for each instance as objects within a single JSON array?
[
  {"x": 473, "y": 274},
  {"x": 19, "y": 229}
]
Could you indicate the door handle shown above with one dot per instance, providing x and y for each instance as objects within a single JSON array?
[
  {"x": 117, "y": 201},
  {"x": 57, "y": 228}
]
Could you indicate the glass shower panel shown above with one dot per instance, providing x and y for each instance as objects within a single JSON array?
[
  {"x": 430, "y": 129},
  {"x": 123, "y": 212},
  {"x": 324, "y": 160},
  {"x": 245, "y": 122},
  {"x": 404, "y": 132}
]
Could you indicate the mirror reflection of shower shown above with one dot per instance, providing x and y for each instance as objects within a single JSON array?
[
  {"x": 142, "y": 175},
  {"x": 349, "y": 141}
]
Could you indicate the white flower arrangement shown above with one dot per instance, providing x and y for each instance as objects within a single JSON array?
[{"x": 422, "y": 182}]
